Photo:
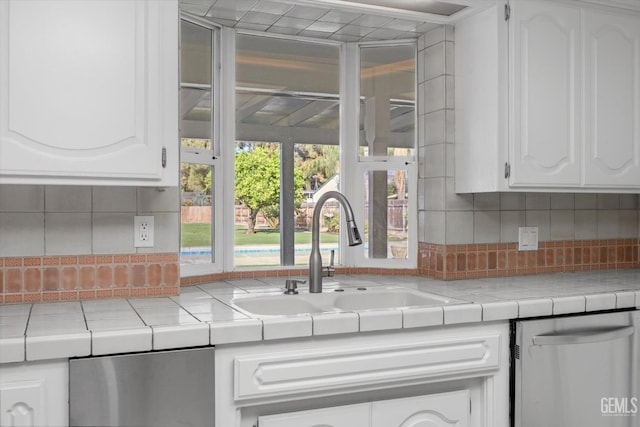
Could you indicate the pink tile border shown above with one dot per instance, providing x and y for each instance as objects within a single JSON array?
[
  {"x": 489, "y": 260},
  {"x": 55, "y": 278}
]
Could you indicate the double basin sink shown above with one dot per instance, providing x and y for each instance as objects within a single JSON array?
[{"x": 338, "y": 300}]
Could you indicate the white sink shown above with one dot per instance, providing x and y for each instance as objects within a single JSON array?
[
  {"x": 343, "y": 299},
  {"x": 389, "y": 298},
  {"x": 276, "y": 305}
]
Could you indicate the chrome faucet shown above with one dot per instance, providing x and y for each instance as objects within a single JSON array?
[{"x": 315, "y": 259}]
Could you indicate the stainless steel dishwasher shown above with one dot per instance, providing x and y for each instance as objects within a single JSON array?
[
  {"x": 157, "y": 389},
  {"x": 577, "y": 371}
]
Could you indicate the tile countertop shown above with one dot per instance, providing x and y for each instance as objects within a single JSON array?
[{"x": 200, "y": 315}]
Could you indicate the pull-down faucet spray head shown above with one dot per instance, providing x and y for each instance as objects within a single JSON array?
[{"x": 315, "y": 259}]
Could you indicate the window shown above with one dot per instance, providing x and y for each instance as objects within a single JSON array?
[
  {"x": 277, "y": 124},
  {"x": 386, "y": 152},
  {"x": 287, "y": 138},
  {"x": 197, "y": 169}
]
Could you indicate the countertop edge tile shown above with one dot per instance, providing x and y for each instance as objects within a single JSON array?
[
  {"x": 286, "y": 327},
  {"x": 12, "y": 349},
  {"x": 55, "y": 346},
  {"x": 235, "y": 331},
  {"x": 603, "y": 301},
  {"x": 625, "y": 299},
  {"x": 569, "y": 304},
  {"x": 417, "y": 317},
  {"x": 462, "y": 313},
  {"x": 176, "y": 336},
  {"x": 335, "y": 323},
  {"x": 111, "y": 341},
  {"x": 499, "y": 310},
  {"x": 380, "y": 320},
  {"x": 535, "y": 307}
]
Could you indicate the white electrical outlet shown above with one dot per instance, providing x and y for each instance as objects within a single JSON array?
[
  {"x": 528, "y": 238},
  {"x": 143, "y": 231}
]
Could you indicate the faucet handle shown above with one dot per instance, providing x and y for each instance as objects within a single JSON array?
[
  {"x": 330, "y": 269},
  {"x": 291, "y": 286}
]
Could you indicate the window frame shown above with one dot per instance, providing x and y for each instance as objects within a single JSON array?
[{"x": 223, "y": 162}]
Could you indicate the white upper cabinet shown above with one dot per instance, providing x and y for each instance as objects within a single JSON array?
[
  {"x": 612, "y": 91},
  {"x": 548, "y": 98},
  {"x": 545, "y": 57},
  {"x": 89, "y": 92}
]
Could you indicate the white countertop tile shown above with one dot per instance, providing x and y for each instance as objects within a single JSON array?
[
  {"x": 625, "y": 299},
  {"x": 417, "y": 317},
  {"x": 51, "y": 308},
  {"x": 228, "y": 332},
  {"x": 112, "y": 341},
  {"x": 499, "y": 310},
  {"x": 286, "y": 327},
  {"x": 196, "y": 317},
  {"x": 12, "y": 349},
  {"x": 535, "y": 307},
  {"x": 176, "y": 336},
  {"x": 570, "y": 304},
  {"x": 107, "y": 324},
  {"x": 334, "y": 323},
  {"x": 58, "y": 345},
  {"x": 380, "y": 320},
  {"x": 462, "y": 313},
  {"x": 598, "y": 302}
]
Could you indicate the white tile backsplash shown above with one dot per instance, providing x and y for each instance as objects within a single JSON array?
[
  {"x": 114, "y": 199},
  {"x": 486, "y": 226},
  {"x": 62, "y": 198},
  {"x": 68, "y": 233},
  {"x": 82, "y": 220},
  {"x": 113, "y": 233},
  {"x": 586, "y": 224},
  {"x": 21, "y": 198},
  {"x": 22, "y": 234}
]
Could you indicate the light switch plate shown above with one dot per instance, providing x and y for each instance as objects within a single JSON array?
[{"x": 528, "y": 239}]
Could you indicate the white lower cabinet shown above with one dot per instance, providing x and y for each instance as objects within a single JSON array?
[
  {"x": 437, "y": 410},
  {"x": 341, "y": 416},
  {"x": 34, "y": 394},
  {"x": 446, "y": 376}
]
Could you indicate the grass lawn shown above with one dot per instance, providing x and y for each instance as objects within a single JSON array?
[{"x": 200, "y": 235}]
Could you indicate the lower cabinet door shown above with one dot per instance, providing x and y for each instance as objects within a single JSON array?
[
  {"x": 339, "y": 416},
  {"x": 436, "y": 410},
  {"x": 34, "y": 394}
]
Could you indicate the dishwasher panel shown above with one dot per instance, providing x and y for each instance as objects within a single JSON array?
[
  {"x": 577, "y": 371},
  {"x": 159, "y": 389}
]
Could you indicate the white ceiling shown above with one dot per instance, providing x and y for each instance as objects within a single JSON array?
[{"x": 349, "y": 21}]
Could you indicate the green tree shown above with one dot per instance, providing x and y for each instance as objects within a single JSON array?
[
  {"x": 317, "y": 162},
  {"x": 257, "y": 181},
  {"x": 195, "y": 178}
]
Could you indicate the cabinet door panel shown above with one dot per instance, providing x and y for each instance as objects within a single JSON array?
[
  {"x": 612, "y": 126},
  {"x": 545, "y": 60},
  {"x": 85, "y": 88},
  {"x": 341, "y": 416},
  {"x": 34, "y": 394},
  {"x": 438, "y": 410}
]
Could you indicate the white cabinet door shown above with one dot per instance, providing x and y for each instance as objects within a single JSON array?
[
  {"x": 34, "y": 394},
  {"x": 340, "y": 416},
  {"x": 612, "y": 125},
  {"x": 437, "y": 410},
  {"x": 88, "y": 91},
  {"x": 545, "y": 84}
]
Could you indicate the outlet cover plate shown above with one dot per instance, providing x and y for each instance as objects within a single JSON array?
[
  {"x": 143, "y": 231},
  {"x": 528, "y": 238}
]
